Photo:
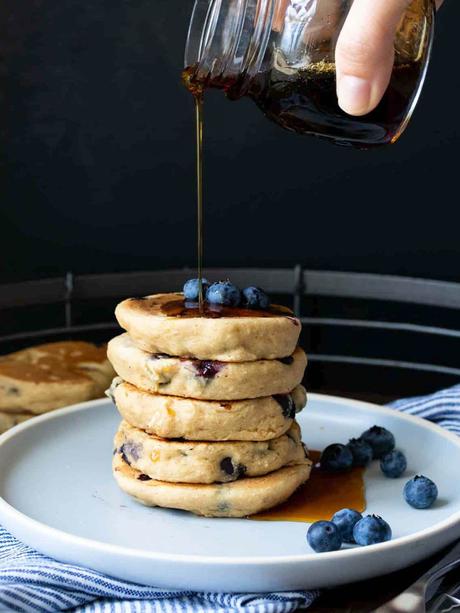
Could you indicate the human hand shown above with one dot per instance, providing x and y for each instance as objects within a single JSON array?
[{"x": 364, "y": 53}]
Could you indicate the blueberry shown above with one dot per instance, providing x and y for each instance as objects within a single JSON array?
[
  {"x": 345, "y": 521},
  {"x": 370, "y": 530},
  {"x": 361, "y": 451},
  {"x": 229, "y": 468},
  {"x": 124, "y": 457},
  {"x": 255, "y": 298},
  {"x": 223, "y": 293},
  {"x": 207, "y": 369},
  {"x": 192, "y": 289},
  {"x": 143, "y": 477},
  {"x": 420, "y": 492},
  {"x": 336, "y": 458},
  {"x": 324, "y": 536},
  {"x": 380, "y": 439},
  {"x": 131, "y": 449},
  {"x": 287, "y": 361},
  {"x": 393, "y": 464},
  {"x": 287, "y": 405}
]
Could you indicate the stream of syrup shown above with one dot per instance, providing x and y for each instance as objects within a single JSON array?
[
  {"x": 199, "y": 188},
  {"x": 321, "y": 496},
  {"x": 197, "y": 91}
]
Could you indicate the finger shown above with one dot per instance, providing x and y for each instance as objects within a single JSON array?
[
  {"x": 365, "y": 53},
  {"x": 438, "y": 3}
]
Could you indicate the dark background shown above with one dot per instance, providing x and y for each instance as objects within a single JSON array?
[
  {"x": 97, "y": 163},
  {"x": 98, "y": 158}
]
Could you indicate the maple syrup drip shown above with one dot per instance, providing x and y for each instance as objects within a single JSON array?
[
  {"x": 181, "y": 308},
  {"x": 321, "y": 496},
  {"x": 197, "y": 91},
  {"x": 199, "y": 186}
]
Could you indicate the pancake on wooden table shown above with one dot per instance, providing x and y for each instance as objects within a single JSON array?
[{"x": 46, "y": 377}]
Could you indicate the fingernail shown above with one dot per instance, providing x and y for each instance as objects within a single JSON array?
[{"x": 354, "y": 94}]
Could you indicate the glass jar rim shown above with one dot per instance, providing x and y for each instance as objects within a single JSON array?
[{"x": 228, "y": 38}]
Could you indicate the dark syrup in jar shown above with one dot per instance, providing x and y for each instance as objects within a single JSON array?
[{"x": 306, "y": 102}]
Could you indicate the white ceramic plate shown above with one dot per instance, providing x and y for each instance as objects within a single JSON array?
[{"x": 57, "y": 495}]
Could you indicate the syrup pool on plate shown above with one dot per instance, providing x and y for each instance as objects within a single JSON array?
[{"x": 321, "y": 496}]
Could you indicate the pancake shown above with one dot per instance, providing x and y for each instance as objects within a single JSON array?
[
  {"x": 8, "y": 420},
  {"x": 236, "y": 499},
  {"x": 258, "y": 419},
  {"x": 161, "y": 323},
  {"x": 207, "y": 462},
  {"x": 53, "y": 375},
  {"x": 204, "y": 379}
]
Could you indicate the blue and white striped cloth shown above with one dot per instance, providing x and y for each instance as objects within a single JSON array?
[
  {"x": 443, "y": 408},
  {"x": 31, "y": 582}
]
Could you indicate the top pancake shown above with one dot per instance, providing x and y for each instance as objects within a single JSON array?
[{"x": 162, "y": 324}]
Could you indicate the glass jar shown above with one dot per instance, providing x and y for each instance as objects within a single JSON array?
[{"x": 281, "y": 53}]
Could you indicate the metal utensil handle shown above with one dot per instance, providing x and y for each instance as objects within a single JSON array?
[{"x": 412, "y": 600}]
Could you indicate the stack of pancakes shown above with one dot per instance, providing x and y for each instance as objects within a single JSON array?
[
  {"x": 209, "y": 402},
  {"x": 46, "y": 377}
]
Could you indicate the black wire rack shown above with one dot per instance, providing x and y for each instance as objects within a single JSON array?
[{"x": 370, "y": 336}]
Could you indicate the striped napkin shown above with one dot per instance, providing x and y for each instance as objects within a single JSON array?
[{"x": 31, "y": 582}]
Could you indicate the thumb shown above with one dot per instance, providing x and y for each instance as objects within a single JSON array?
[{"x": 365, "y": 53}]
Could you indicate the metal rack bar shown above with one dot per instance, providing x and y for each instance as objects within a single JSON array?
[
  {"x": 58, "y": 331},
  {"x": 380, "y": 325},
  {"x": 293, "y": 281},
  {"x": 348, "y": 359},
  {"x": 383, "y": 287},
  {"x": 311, "y": 321},
  {"x": 43, "y": 291}
]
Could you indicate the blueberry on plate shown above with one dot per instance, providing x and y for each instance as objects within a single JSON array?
[
  {"x": 255, "y": 298},
  {"x": 361, "y": 451},
  {"x": 380, "y": 439},
  {"x": 393, "y": 464},
  {"x": 336, "y": 458},
  {"x": 370, "y": 530},
  {"x": 345, "y": 520},
  {"x": 324, "y": 536},
  {"x": 223, "y": 293},
  {"x": 192, "y": 289},
  {"x": 420, "y": 492}
]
